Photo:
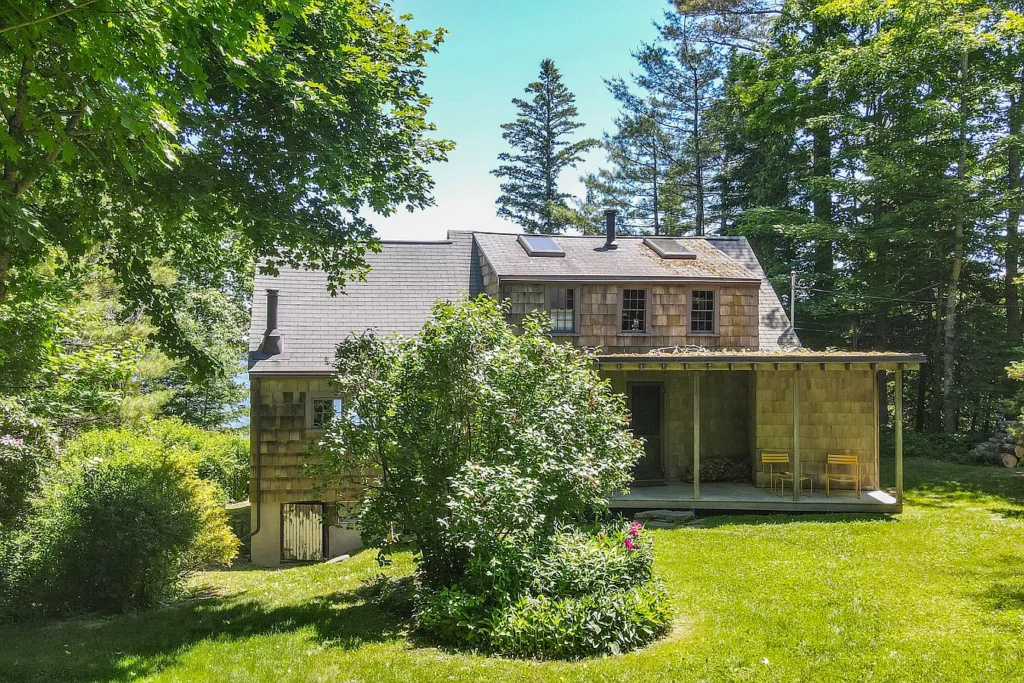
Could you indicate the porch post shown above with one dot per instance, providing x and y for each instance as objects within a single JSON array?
[
  {"x": 696, "y": 435},
  {"x": 796, "y": 434},
  {"x": 898, "y": 428}
]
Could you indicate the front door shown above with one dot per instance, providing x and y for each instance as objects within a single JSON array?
[{"x": 645, "y": 405}]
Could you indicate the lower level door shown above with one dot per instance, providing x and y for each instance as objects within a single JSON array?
[
  {"x": 645, "y": 408},
  {"x": 302, "y": 532}
]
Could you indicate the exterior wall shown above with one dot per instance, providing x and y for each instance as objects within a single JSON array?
[
  {"x": 837, "y": 414},
  {"x": 282, "y": 439},
  {"x": 489, "y": 278},
  {"x": 600, "y": 316},
  {"x": 724, "y": 414}
]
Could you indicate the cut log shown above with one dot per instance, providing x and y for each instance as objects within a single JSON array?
[
  {"x": 1019, "y": 452},
  {"x": 1006, "y": 460}
]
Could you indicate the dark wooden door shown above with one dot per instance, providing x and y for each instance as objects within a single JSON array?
[{"x": 645, "y": 405}]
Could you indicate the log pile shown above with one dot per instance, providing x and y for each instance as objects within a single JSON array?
[
  {"x": 1001, "y": 449},
  {"x": 721, "y": 469}
]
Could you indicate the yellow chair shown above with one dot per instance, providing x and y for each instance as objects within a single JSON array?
[
  {"x": 771, "y": 459},
  {"x": 842, "y": 476}
]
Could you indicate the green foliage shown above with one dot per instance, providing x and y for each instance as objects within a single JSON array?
[
  {"x": 935, "y": 446},
  {"x": 118, "y": 526},
  {"x": 27, "y": 449},
  {"x": 221, "y": 457},
  {"x": 529, "y": 193},
  {"x": 472, "y": 438},
  {"x": 581, "y": 594},
  {"x": 207, "y": 136}
]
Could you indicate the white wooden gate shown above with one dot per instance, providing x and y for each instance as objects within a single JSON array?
[{"x": 302, "y": 532}]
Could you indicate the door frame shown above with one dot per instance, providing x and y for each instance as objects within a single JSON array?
[
  {"x": 661, "y": 425},
  {"x": 324, "y": 531}
]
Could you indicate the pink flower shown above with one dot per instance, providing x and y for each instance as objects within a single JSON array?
[
  {"x": 634, "y": 529},
  {"x": 630, "y": 544}
]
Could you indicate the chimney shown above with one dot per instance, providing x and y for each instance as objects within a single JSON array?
[
  {"x": 272, "y": 337},
  {"x": 609, "y": 228}
]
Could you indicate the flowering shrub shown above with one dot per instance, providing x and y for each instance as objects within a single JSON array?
[
  {"x": 586, "y": 593},
  {"x": 27, "y": 447}
]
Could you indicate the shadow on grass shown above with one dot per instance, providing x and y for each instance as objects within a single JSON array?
[
  {"x": 714, "y": 521},
  {"x": 128, "y": 647},
  {"x": 939, "y": 483}
]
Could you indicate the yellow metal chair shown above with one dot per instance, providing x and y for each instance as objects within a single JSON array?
[
  {"x": 771, "y": 459},
  {"x": 842, "y": 476}
]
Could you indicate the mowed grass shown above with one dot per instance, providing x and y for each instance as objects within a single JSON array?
[{"x": 933, "y": 594}]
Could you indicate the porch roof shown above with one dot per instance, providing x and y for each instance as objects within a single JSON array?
[{"x": 790, "y": 359}]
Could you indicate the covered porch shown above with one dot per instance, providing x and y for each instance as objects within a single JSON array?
[{"x": 708, "y": 416}]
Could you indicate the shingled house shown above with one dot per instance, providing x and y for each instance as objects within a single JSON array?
[{"x": 689, "y": 328}]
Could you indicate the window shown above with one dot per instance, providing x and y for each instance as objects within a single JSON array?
[
  {"x": 562, "y": 309},
  {"x": 634, "y": 310},
  {"x": 324, "y": 410},
  {"x": 541, "y": 245},
  {"x": 702, "y": 312}
]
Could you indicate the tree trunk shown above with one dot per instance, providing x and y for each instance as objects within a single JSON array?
[
  {"x": 1013, "y": 178},
  {"x": 883, "y": 398},
  {"x": 698, "y": 160},
  {"x": 949, "y": 411},
  {"x": 921, "y": 396}
]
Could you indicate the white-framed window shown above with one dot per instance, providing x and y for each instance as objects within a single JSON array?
[
  {"x": 562, "y": 307},
  {"x": 702, "y": 311},
  {"x": 321, "y": 409},
  {"x": 634, "y": 310}
]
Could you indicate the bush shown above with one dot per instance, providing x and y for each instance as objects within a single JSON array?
[
  {"x": 585, "y": 594},
  {"x": 27, "y": 448},
  {"x": 934, "y": 446},
  {"x": 118, "y": 526},
  {"x": 220, "y": 456}
]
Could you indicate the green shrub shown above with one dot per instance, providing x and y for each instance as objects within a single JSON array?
[
  {"x": 583, "y": 594},
  {"x": 934, "y": 445},
  {"x": 220, "y": 456},
  {"x": 27, "y": 448},
  {"x": 118, "y": 526}
]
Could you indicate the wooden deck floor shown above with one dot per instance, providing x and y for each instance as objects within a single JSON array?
[{"x": 749, "y": 498}]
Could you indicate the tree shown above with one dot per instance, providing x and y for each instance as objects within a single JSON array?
[
  {"x": 679, "y": 83},
  {"x": 530, "y": 195},
  {"x": 472, "y": 439},
  {"x": 207, "y": 134}
]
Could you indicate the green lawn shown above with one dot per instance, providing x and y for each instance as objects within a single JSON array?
[{"x": 934, "y": 594}]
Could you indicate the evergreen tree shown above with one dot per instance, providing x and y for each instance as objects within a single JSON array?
[{"x": 530, "y": 195}]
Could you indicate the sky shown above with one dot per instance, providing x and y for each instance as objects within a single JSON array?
[{"x": 492, "y": 52}]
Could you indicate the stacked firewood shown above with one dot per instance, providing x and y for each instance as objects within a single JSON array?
[
  {"x": 1001, "y": 448},
  {"x": 721, "y": 469}
]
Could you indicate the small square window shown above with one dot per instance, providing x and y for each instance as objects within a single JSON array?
[
  {"x": 562, "y": 309},
  {"x": 702, "y": 312},
  {"x": 325, "y": 410},
  {"x": 634, "y": 310}
]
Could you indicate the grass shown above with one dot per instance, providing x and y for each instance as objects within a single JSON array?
[{"x": 933, "y": 594}]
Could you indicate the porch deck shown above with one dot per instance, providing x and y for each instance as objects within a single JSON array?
[{"x": 749, "y": 498}]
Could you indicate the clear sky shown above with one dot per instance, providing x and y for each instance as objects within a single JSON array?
[{"x": 492, "y": 52}]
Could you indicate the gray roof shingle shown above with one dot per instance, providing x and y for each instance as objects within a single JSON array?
[
  {"x": 404, "y": 281},
  {"x": 406, "y": 278},
  {"x": 631, "y": 259}
]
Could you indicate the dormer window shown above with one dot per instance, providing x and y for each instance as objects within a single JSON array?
[
  {"x": 562, "y": 309},
  {"x": 702, "y": 311},
  {"x": 634, "y": 310}
]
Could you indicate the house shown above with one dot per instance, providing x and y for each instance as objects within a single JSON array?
[{"x": 689, "y": 329}]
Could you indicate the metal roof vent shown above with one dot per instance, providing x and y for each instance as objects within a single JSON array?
[
  {"x": 540, "y": 245},
  {"x": 669, "y": 247}
]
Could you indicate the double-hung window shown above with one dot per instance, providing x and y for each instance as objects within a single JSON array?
[
  {"x": 702, "y": 311},
  {"x": 562, "y": 309},
  {"x": 323, "y": 409},
  {"x": 634, "y": 310}
]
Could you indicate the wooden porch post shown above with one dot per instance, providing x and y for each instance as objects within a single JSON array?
[
  {"x": 696, "y": 436},
  {"x": 898, "y": 429},
  {"x": 796, "y": 435}
]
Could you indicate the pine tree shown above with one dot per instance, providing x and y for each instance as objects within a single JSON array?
[{"x": 530, "y": 195}]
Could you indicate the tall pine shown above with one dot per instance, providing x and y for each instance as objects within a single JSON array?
[{"x": 542, "y": 150}]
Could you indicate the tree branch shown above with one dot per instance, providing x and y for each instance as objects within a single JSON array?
[{"x": 40, "y": 20}]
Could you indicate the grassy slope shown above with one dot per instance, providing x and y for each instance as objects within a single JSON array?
[{"x": 934, "y": 594}]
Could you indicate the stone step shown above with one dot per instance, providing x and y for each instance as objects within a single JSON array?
[{"x": 669, "y": 516}]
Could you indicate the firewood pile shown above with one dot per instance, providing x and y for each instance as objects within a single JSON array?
[
  {"x": 721, "y": 469},
  {"x": 1001, "y": 449}
]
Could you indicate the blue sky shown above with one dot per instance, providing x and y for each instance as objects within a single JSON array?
[{"x": 492, "y": 51}]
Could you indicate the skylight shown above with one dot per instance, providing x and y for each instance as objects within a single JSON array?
[
  {"x": 668, "y": 247},
  {"x": 540, "y": 245}
]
